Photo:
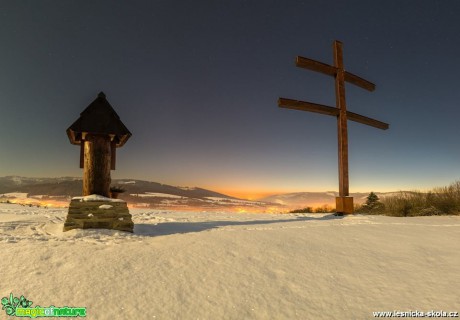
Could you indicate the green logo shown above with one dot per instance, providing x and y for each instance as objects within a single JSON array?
[{"x": 21, "y": 307}]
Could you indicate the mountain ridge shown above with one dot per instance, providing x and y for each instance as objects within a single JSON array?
[
  {"x": 138, "y": 193},
  {"x": 72, "y": 186},
  {"x": 156, "y": 195}
]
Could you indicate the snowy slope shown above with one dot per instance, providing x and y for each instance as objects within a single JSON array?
[{"x": 195, "y": 265}]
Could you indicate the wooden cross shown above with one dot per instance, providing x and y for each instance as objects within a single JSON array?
[{"x": 344, "y": 203}]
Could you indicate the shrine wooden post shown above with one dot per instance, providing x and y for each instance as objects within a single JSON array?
[{"x": 344, "y": 203}]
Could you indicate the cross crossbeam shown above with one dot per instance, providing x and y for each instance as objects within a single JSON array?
[
  {"x": 314, "y": 65},
  {"x": 331, "y": 111},
  {"x": 344, "y": 203}
]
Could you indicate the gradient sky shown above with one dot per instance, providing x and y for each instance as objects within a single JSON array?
[{"x": 197, "y": 84}]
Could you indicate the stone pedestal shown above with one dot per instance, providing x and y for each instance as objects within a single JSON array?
[
  {"x": 344, "y": 205},
  {"x": 99, "y": 212}
]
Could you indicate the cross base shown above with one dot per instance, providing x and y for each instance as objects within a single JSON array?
[{"x": 344, "y": 205}]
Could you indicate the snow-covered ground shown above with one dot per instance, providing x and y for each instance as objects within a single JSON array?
[{"x": 197, "y": 265}]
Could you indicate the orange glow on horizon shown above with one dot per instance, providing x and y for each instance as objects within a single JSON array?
[
  {"x": 255, "y": 195},
  {"x": 250, "y": 194}
]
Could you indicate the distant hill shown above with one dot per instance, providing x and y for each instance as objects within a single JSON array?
[
  {"x": 137, "y": 193},
  {"x": 70, "y": 186},
  {"x": 65, "y": 186}
]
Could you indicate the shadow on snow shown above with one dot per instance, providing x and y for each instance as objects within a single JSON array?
[{"x": 170, "y": 228}]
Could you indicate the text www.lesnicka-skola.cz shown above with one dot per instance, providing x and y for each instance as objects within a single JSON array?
[{"x": 416, "y": 314}]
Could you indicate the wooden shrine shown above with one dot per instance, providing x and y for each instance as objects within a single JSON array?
[
  {"x": 99, "y": 132},
  {"x": 344, "y": 203}
]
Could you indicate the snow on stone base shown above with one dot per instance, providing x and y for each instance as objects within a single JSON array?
[{"x": 96, "y": 197}]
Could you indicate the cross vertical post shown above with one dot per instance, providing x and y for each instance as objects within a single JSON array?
[{"x": 343, "y": 203}]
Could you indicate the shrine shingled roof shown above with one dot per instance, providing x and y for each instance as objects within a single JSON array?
[{"x": 99, "y": 118}]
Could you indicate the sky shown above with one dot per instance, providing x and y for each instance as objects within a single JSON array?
[{"x": 197, "y": 84}]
